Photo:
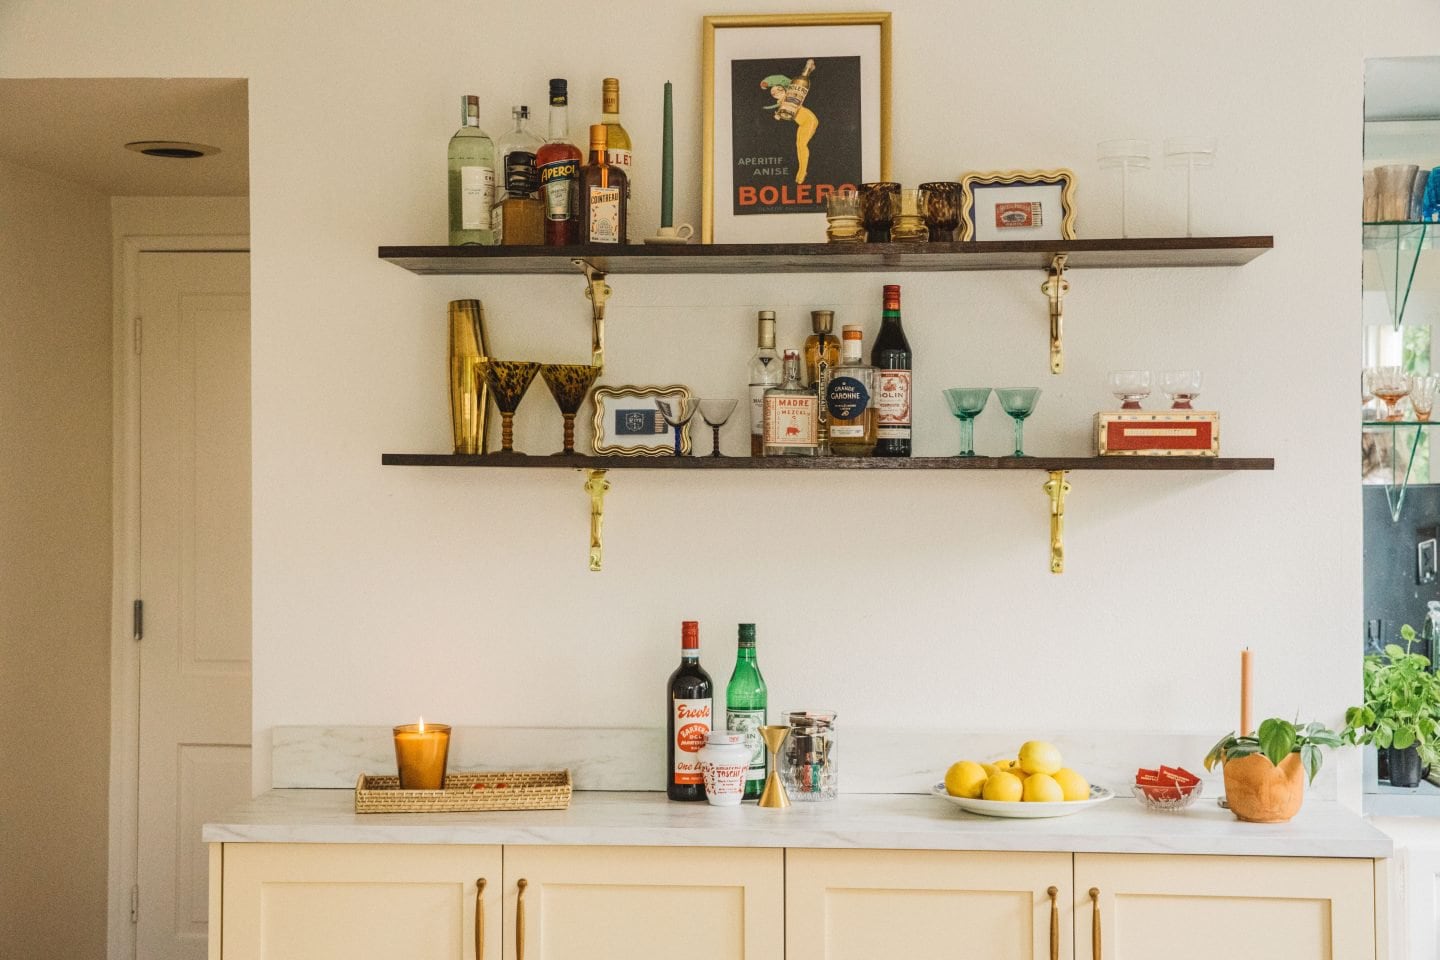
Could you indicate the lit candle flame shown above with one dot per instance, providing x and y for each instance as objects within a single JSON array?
[{"x": 420, "y": 728}]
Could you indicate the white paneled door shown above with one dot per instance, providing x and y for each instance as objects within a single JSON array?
[{"x": 194, "y": 346}]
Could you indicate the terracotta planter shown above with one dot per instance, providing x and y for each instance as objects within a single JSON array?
[{"x": 1260, "y": 792}]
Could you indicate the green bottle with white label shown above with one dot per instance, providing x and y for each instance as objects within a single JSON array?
[
  {"x": 745, "y": 702},
  {"x": 472, "y": 179}
]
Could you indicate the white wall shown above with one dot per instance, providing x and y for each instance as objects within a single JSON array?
[
  {"x": 54, "y": 563},
  {"x": 898, "y": 600}
]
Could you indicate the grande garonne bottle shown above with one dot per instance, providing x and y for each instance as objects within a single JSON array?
[{"x": 691, "y": 710}]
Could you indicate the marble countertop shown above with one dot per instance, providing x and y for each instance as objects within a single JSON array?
[{"x": 865, "y": 821}]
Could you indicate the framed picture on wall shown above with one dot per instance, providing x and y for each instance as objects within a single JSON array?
[
  {"x": 795, "y": 107},
  {"x": 628, "y": 421},
  {"x": 1018, "y": 205}
]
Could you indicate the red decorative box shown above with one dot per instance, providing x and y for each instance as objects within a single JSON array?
[{"x": 1173, "y": 433}]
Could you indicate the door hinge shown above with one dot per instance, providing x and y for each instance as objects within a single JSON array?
[
  {"x": 135, "y": 904},
  {"x": 138, "y": 620},
  {"x": 136, "y": 328}
]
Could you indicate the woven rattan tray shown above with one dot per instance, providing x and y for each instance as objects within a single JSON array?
[{"x": 465, "y": 792}]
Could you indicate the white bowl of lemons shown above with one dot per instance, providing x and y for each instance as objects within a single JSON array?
[{"x": 1033, "y": 785}]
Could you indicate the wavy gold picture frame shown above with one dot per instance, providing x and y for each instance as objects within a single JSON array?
[
  {"x": 655, "y": 445},
  {"x": 1061, "y": 177}
]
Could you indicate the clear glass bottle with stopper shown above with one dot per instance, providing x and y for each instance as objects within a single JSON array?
[{"x": 765, "y": 372}]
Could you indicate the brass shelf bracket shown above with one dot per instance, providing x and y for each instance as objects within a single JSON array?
[
  {"x": 597, "y": 486},
  {"x": 1056, "y": 488},
  {"x": 1055, "y": 287},
  {"x": 596, "y": 291}
]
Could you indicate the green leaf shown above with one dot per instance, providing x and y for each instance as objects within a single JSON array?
[
  {"x": 1311, "y": 758},
  {"x": 1404, "y": 737},
  {"x": 1277, "y": 739},
  {"x": 1394, "y": 651}
]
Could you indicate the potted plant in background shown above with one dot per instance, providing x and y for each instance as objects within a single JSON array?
[
  {"x": 1401, "y": 712},
  {"x": 1265, "y": 774}
]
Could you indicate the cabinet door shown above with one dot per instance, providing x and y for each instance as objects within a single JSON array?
[
  {"x": 644, "y": 903},
  {"x": 1239, "y": 908},
  {"x": 864, "y": 904},
  {"x": 359, "y": 902}
]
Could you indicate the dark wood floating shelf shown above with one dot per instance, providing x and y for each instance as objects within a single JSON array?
[
  {"x": 834, "y": 258},
  {"x": 1047, "y": 464}
]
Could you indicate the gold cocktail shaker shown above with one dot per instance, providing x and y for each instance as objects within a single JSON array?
[{"x": 469, "y": 393}]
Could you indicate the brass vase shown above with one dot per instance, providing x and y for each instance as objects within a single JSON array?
[{"x": 469, "y": 393}]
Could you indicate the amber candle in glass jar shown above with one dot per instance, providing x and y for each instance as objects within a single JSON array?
[{"x": 420, "y": 753}]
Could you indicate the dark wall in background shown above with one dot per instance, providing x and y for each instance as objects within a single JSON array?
[{"x": 1392, "y": 596}]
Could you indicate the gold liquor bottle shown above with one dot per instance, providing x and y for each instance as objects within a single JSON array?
[
  {"x": 850, "y": 399},
  {"x": 822, "y": 353},
  {"x": 617, "y": 141}
]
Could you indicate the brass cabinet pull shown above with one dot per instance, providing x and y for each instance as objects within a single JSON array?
[
  {"x": 1054, "y": 892},
  {"x": 520, "y": 919},
  {"x": 480, "y": 919},
  {"x": 1095, "y": 923}
]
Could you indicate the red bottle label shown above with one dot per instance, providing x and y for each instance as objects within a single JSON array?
[{"x": 692, "y": 726}]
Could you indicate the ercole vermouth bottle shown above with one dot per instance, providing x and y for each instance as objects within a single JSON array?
[{"x": 689, "y": 717}]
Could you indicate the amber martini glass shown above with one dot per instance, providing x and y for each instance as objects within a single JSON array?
[
  {"x": 509, "y": 379},
  {"x": 569, "y": 384}
]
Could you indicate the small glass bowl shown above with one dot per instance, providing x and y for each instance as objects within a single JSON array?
[{"x": 1167, "y": 799}]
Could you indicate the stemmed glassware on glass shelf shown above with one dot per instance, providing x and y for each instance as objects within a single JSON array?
[
  {"x": 1182, "y": 387},
  {"x": 1367, "y": 393},
  {"x": 1130, "y": 387},
  {"x": 715, "y": 413},
  {"x": 1391, "y": 385},
  {"x": 677, "y": 413},
  {"x": 1125, "y": 155},
  {"x": 569, "y": 384},
  {"x": 509, "y": 379},
  {"x": 1422, "y": 395},
  {"x": 1189, "y": 153},
  {"x": 1019, "y": 403},
  {"x": 966, "y": 403}
]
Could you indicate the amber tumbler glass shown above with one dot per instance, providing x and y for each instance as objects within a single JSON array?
[
  {"x": 876, "y": 209},
  {"x": 942, "y": 209}
]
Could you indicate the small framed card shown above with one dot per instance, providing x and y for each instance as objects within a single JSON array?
[
  {"x": 1018, "y": 205},
  {"x": 628, "y": 421}
]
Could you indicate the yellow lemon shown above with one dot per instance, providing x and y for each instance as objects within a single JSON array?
[
  {"x": 965, "y": 779},
  {"x": 1074, "y": 785},
  {"x": 990, "y": 769},
  {"x": 1037, "y": 756},
  {"x": 1006, "y": 764},
  {"x": 1003, "y": 786},
  {"x": 1042, "y": 788}
]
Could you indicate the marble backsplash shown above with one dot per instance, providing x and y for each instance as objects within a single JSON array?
[{"x": 632, "y": 758}]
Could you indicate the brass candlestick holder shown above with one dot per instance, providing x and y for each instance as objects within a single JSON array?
[{"x": 774, "y": 795}]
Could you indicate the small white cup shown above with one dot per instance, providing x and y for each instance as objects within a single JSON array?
[{"x": 679, "y": 234}]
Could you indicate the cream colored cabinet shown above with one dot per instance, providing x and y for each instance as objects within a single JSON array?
[
  {"x": 864, "y": 904},
  {"x": 1239, "y": 908},
  {"x": 644, "y": 903},
  {"x": 356, "y": 902}
]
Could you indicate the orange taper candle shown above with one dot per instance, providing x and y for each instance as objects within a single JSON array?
[{"x": 1245, "y": 692}]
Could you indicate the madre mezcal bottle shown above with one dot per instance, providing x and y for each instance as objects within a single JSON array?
[
  {"x": 745, "y": 703},
  {"x": 691, "y": 694}
]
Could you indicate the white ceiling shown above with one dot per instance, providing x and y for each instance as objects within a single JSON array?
[
  {"x": 1402, "y": 88},
  {"x": 77, "y": 130}
]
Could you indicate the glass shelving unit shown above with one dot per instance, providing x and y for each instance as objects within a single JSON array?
[
  {"x": 1397, "y": 244},
  {"x": 1395, "y": 493}
]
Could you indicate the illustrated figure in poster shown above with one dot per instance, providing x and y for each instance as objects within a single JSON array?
[{"x": 790, "y": 105}]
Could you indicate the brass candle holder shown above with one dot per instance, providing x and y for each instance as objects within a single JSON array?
[{"x": 774, "y": 795}]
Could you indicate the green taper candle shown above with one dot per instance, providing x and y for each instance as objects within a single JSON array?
[{"x": 667, "y": 165}]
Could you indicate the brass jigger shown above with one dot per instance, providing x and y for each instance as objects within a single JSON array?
[{"x": 774, "y": 795}]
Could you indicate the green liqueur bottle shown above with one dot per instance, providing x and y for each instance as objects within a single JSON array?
[{"x": 745, "y": 709}]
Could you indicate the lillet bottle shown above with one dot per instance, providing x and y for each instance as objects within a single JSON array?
[
  {"x": 689, "y": 716},
  {"x": 604, "y": 195},
  {"x": 746, "y": 699}
]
